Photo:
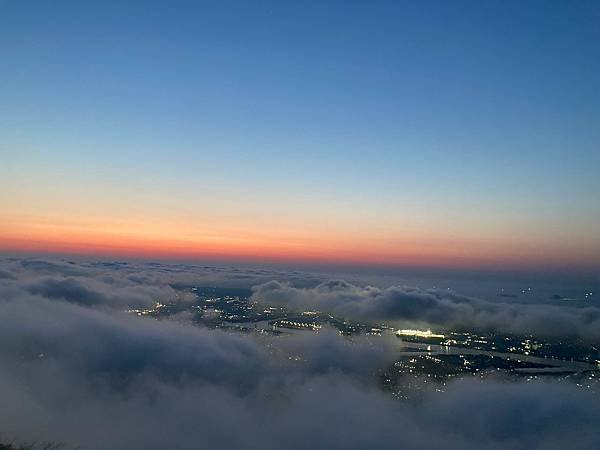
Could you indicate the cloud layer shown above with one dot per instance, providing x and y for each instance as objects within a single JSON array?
[
  {"x": 442, "y": 308},
  {"x": 75, "y": 368}
]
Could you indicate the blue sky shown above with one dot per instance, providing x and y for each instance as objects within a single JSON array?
[{"x": 481, "y": 118}]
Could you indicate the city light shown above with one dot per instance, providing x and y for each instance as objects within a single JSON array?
[{"x": 419, "y": 333}]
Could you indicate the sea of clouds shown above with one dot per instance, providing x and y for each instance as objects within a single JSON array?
[{"x": 76, "y": 368}]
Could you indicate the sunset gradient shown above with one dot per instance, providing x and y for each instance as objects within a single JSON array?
[{"x": 381, "y": 134}]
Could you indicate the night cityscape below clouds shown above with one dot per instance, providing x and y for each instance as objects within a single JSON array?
[
  {"x": 299, "y": 225},
  {"x": 105, "y": 354}
]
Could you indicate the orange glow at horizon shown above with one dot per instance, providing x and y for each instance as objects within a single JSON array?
[{"x": 148, "y": 239}]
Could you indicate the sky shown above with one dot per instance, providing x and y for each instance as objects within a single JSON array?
[{"x": 410, "y": 134}]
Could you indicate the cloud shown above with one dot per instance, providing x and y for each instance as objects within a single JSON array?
[
  {"x": 75, "y": 368},
  {"x": 106, "y": 291},
  {"x": 6, "y": 275},
  {"x": 442, "y": 308}
]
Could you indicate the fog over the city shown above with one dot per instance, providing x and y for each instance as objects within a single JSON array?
[
  {"x": 407, "y": 305},
  {"x": 79, "y": 370}
]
